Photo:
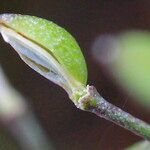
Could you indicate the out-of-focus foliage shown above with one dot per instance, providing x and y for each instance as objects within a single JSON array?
[
  {"x": 132, "y": 66},
  {"x": 6, "y": 142},
  {"x": 18, "y": 119},
  {"x": 128, "y": 58},
  {"x": 144, "y": 145}
]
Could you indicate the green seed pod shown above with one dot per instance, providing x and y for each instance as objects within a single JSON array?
[{"x": 47, "y": 48}]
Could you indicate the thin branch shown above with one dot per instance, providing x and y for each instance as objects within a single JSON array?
[{"x": 94, "y": 103}]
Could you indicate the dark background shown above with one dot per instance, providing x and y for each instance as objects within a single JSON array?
[{"x": 68, "y": 127}]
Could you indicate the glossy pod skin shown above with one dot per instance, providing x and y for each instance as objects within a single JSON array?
[{"x": 54, "y": 44}]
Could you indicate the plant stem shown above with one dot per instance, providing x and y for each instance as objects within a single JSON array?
[{"x": 104, "y": 109}]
